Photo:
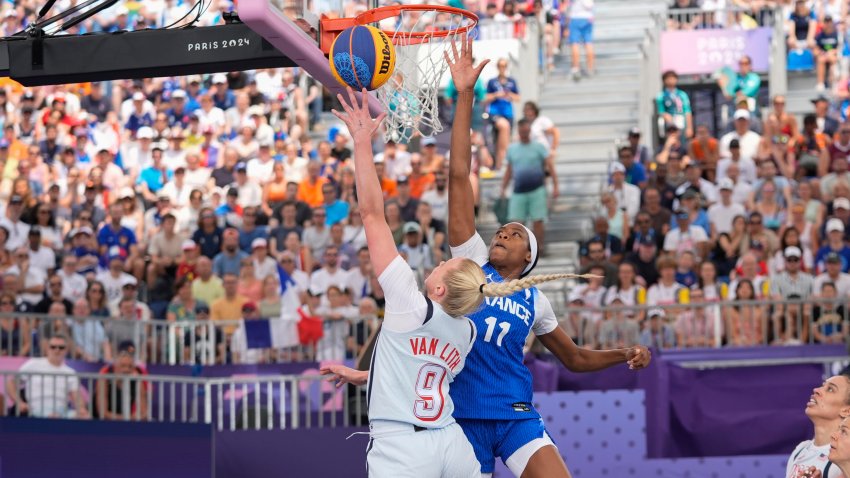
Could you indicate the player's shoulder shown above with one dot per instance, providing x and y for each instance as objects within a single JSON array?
[{"x": 802, "y": 446}]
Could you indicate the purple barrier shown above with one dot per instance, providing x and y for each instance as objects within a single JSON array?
[
  {"x": 307, "y": 453},
  {"x": 35, "y": 448}
]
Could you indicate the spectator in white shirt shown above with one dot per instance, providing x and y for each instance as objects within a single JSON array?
[
  {"x": 397, "y": 162},
  {"x": 742, "y": 189},
  {"x": 330, "y": 273},
  {"x": 746, "y": 167},
  {"x": 260, "y": 168},
  {"x": 748, "y": 139},
  {"x": 264, "y": 265},
  {"x": 17, "y": 229},
  {"x": 73, "y": 284},
  {"x": 438, "y": 197},
  {"x": 543, "y": 130},
  {"x": 41, "y": 257},
  {"x": 722, "y": 213},
  {"x": 250, "y": 193},
  {"x": 686, "y": 237},
  {"x": 627, "y": 195}
]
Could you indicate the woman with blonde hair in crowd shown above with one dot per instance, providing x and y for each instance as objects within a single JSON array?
[
  {"x": 628, "y": 291},
  {"x": 806, "y": 230},
  {"x": 618, "y": 219}
]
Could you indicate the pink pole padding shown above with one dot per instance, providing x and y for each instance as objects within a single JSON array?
[{"x": 287, "y": 37}]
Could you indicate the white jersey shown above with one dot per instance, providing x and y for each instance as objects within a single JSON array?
[
  {"x": 807, "y": 454},
  {"x": 417, "y": 355}
]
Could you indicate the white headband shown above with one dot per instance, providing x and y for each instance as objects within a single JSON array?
[{"x": 532, "y": 244}]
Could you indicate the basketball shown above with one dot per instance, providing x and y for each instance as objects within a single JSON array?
[{"x": 362, "y": 57}]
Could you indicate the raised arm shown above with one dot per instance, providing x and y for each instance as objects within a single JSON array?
[
  {"x": 360, "y": 124},
  {"x": 461, "y": 199}
]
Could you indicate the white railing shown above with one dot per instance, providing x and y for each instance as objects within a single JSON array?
[
  {"x": 233, "y": 403},
  {"x": 203, "y": 342},
  {"x": 650, "y": 76}
]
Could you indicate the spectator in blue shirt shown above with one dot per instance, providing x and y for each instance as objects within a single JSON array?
[
  {"x": 658, "y": 334},
  {"x": 222, "y": 96},
  {"x": 155, "y": 176},
  {"x": 179, "y": 113},
  {"x": 113, "y": 234},
  {"x": 250, "y": 230},
  {"x": 835, "y": 243},
  {"x": 502, "y": 92},
  {"x": 635, "y": 172},
  {"x": 826, "y": 50},
  {"x": 336, "y": 210},
  {"x": 229, "y": 260}
]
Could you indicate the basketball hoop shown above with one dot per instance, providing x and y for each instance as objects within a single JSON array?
[{"x": 421, "y": 34}]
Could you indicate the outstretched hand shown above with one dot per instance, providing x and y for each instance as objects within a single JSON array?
[
  {"x": 464, "y": 74},
  {"x": 341, "y": 375},
  {"x": 638, "y": 357},
  {"x": 357, "y": 117}
]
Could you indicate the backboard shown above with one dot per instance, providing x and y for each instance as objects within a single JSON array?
[{"x": 292, "y": 27}]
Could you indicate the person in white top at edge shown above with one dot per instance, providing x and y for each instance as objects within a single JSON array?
[
  {"x": 423, "y": 342},
  {"x": 826, "y": 408}
]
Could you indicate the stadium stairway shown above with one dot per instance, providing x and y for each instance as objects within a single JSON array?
[
  {"x": 592, "y": 114},
  {"x": 801, "y": 90}
]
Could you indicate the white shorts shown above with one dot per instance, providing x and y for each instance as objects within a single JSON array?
[{"x": 395, "y": 450}]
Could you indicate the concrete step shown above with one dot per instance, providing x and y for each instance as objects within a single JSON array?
[
  {"x": 560, "y": 101},
  {"x": 591, "y": 152},
  {"x": 587, "y": 112},
  {"x": 571, "y": 122},
  {"x": 598, "y": 129}
]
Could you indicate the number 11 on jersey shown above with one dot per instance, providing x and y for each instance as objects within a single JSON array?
[{"x": 491, "y": 326}]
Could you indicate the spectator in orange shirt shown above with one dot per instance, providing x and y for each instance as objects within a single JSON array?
[
  {"x": 704, "y": 149},
  {"x": 388, "y": 186},
  {"x": 310, "y": 188},
  {"x": 810, "y": 152},
  {"x": 419, "y": 180}
]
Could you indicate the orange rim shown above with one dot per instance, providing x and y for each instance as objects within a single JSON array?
[{"x": 331, "y": 27}]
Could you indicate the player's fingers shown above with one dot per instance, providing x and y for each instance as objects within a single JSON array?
[
  {"x": 344, "y": 103},
  {"x": 446, "y": 56},
  {"x": 454, "y": 50},
  {"x": 351, "y": 97},
  {"x": 364, "y": 98},
  {"x": 481, "y": 66},
  {"x": 380, "y": 118},
  {"x": 338, "y": 114}
]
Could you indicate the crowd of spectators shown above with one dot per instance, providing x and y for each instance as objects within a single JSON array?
[{"x": 719, "y": 237}]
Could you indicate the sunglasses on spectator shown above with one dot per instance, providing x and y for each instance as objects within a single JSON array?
[
  {"x": 57, "y": 347},
  {"x": 594, "y": 251},
  {"x": 7, "y": 302},
  {"x": 755, "y": 223},
  {"x": 792, "y": 259}
]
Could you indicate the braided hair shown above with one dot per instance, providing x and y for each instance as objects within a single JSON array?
[{"x": 502, "y": 289}]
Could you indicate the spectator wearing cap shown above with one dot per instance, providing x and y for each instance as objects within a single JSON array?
[
  {"x": 197, "y": 176},
  {"x": 229, "y": 214},
  {"x": 640, "y": 152},
  {"x": 18, "y": 231},
  {"x": 32, "y": 279},
  {"x": 229, "y": 306},
  {"x": 177, "y": 111},
  {"x": 136, "y": 154},
  {"x": 722, "y": 213},
  {"x": 595, "y": 256},
  {"x": 396, "y": 161},
  {"x": 749, "y": 140},
  {"x": 626, "y": 194},
  {"x": 113, "y": 235},
  {"x": 114, "y": 278},
  {"x": 838, "y": 173},
  {"x": 260, "y": 167},
  {"x": 188, "y": 262},
  {"x": 165, "y": 249},
  {"x": 417, "y": 254},
  {"x": 704, "y": 150},
  {"x": 139, "y": 114},
  {"x": 635, "y": 172},
  {"x": 745, "y": 167},
  {"x": 658, "y": 334},
  {"x": 250, "y": 192},
  {"x": 528, "y": 165},
  {"x": 112, "y": 395},
  {"x": 264, "y": 265},
  {"x": 130, "y": 291},
  {"x": 223, "y": 96},
  {"x": 330, "y": 273},
  {"x": 826, "y": 124},
  {"x": 406, "y": 204},
  {"x": 841, "y": 211},
  {"x": 690, "y": 202},
  {"x": 826, "y": 51},
  {"x": 246, "y": 144},
  {"x": 153, "y": 216},
  {"x": 686, "y": 236},
  {"x": 673, "y": 106},
  {"x": 792, "y": 283},
  {"x": 73, "y": 284},
  {"x": 229, "y": 260},
  {"x": 832, "y": 274},
  {"x": 835, "y": 230},
  {"x": 432, "y": 160},
  {"x": 810, "y": 153},
  {"x": 207, "y": 342}
]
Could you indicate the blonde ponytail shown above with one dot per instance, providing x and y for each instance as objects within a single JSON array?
[{"x": 502, "y": 289}]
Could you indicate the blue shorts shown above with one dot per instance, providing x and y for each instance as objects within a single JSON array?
[
  {"x": 581, "y": 31},
  {"x": 502, "y": 438}
]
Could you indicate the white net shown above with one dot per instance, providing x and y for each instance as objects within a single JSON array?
[{"x": 410, "y": 98}]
